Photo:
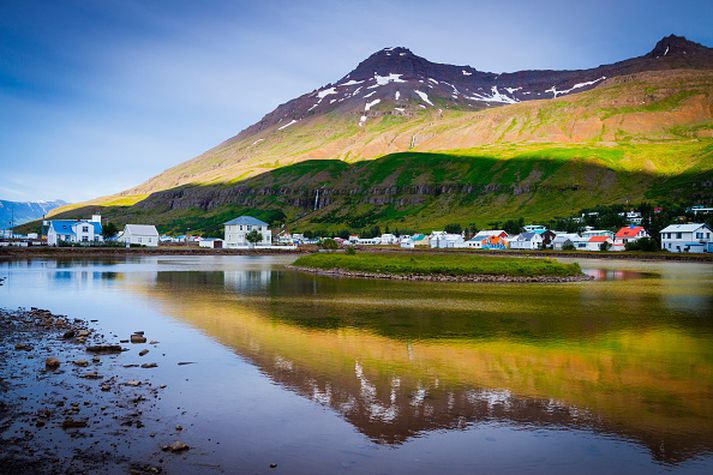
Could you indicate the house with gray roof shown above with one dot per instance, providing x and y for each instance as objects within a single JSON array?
[
  {"x": 140, "y": 234},
  {"x": 236, "y": 231},
  {"x": 692, "y": 237}
]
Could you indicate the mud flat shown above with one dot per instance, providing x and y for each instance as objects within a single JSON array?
[{"x": 67, "y": 404}]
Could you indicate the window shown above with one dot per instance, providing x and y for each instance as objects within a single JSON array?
[
  {"x": 85, "y": 238},
  {"x": 139, "y": 239},
  {"x": 85, "y": 229},
  {"x": 678, "y": 235}
]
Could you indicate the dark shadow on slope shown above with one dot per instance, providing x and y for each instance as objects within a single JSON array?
[{"x": 423, "y": 186}]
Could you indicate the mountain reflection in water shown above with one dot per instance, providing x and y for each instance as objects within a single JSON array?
[{"x": 397, "y": 359}]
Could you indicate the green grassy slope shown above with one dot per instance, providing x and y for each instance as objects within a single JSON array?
[{"x": 425, "y": 191}]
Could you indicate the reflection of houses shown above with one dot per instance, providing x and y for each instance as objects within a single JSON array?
[
  {"x": 74, "y": 230},
  {"x": 489, "y": 239},
  {"x": 693, "y": 237}
]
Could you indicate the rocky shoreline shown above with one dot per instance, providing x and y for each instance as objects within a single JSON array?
[
  {"x": 67, "y": 404},
  {"x": 480, "y": 278}
]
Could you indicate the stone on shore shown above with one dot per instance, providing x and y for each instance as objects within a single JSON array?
[
  {"x": 105, "y": 349},
  {"x": 175, "y": 447},
  {"x": 137, "y": 338},
  {"x": 51, "y": 363}
]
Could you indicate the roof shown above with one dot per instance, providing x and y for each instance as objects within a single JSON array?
[
  {"x": 683, "y": 228},
  {"x": 418, "y": 237},
  {"x": 527, "y": 236},
  {"x": 599, "y": 238},
  {"x": 487, "y": 233},
  {"x": 141, "y": 229},
  {"x": 564, "y": 236},
  {"x": 64, "y": 226},
  {"x": 246, "y": 220},
  {"x": 629, "y": 231}
]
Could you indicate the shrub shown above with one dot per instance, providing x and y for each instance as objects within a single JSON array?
[
  {"x": 643, "y": 244},
  {"x": 329, "y": 244}
]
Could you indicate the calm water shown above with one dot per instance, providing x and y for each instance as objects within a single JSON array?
[{"x": 328, "y": 375}]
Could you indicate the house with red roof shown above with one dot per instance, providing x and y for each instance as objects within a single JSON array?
[
  {"x": 595, "y": 243},
  {"x": 628, "y": 234}
]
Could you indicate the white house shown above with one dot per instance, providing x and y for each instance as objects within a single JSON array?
[
  {"x": 375, "y": 241},
  {"x": 693, "y": 237},
  {"x": 388, "y": 239},
  {"x": 444, "y": 240},
  {"x": 140, "y": 234},
  {"x": 595, "y": 243},
  {"x": 563, "y": 239},
  {"x": 74, "y": 230},
  {"x": 589, "y": 232},
  {"x": 211, "y": 243},
  {"x": 632, "y": 217},
  {"x": 237, "y": 229},
  {"x": 628, "y": 234},
  {"x": 526, "y": 241},
  {"x": 486, "y": 238},
  {"x": 417, "y": 240}
]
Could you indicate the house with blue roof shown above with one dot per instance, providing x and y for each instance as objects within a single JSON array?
[
  {"x": 237, "y": 229},
  {"x": 74, "y": 230}
]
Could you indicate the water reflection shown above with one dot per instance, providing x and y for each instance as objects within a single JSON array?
[
  {"x": 631, "y": 358},
  {"x": 401, "y": 359}
]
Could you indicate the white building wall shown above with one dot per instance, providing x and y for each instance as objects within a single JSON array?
[{"x": 234, "y": 235}]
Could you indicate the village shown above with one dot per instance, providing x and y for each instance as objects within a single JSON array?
[{"x": 247, "y": 232}]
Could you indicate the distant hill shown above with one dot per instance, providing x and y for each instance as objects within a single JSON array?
[
  {"x": 530, "y": 144},
  {"x": 20, "y": 212}
]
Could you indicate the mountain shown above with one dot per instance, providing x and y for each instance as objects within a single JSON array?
[
  {"x": 638, "y": 129},
  {"x": 396, "y": 80},
  {"x": 19, "y": 212}
]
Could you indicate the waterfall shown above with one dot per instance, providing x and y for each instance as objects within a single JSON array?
[{"x": 316, "y": 201}]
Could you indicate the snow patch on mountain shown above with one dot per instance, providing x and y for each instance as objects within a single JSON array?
[
  {"x": 580, "y": 85},
  {"x": 496, "y": 96},
  {"x": 322, "y": 94},
  {"x": 423, "y": 96},
  {"x": 292, "y": 122},
  {"x": 384, "y": 80},
  {"x": 371, "y": 104},
  {"x": 466, "y": 73}
]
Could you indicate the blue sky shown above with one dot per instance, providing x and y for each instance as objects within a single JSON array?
[{"x": 96, "y": 97}]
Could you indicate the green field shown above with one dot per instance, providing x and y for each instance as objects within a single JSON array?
[{"x": 438, "y": 264}]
